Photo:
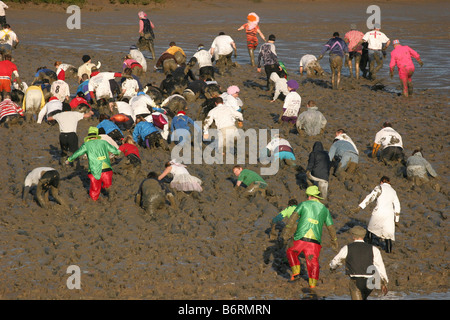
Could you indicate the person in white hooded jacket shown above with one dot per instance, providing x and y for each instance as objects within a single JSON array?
[
  {"x": 385, "y": 214},
  {"x": 281, "y": 88}
]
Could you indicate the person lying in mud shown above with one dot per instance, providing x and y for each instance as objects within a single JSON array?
[
  {"x": 152, "y": 195},
  {"x": 46, "y": 180},
  {"x": 131, "y": 163},
  {"x": 253, "y": 181}
]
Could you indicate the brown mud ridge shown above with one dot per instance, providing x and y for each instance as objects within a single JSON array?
[{"x": 217, "y": 246}]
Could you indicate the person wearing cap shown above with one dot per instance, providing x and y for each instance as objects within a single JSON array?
[
  {"x": 252, "y": 30},
  {"x": 353, "y": 38},
  {"x": 146, "y": 33},
  {"x": 222, "y": 48},
  {"x": 401, "y": 57},
  {"x": 312, "y": 121},
  {"x": 390, "y": 144},
  {"x": 377, "y": 43},
  {"x": 179, "y": 126},
  {"x": 309, "y": 63},
  {"x": 292, "y": 103},
  {"x": 338, "y": 51},
  {"x": 231, "y": 98},
  {"x": 268, "y": 58},
  {"x": 305, "y": 227},
  {"x": 86, "y": 67},
  {"x": 204, "y": 59},
  {"x": 360, "y": 258},
  {"x": 46, "y": 179},
  {"x": 97, "y": 150},
  {"x": 385, "y": 214}
]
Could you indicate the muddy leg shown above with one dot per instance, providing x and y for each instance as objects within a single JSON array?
[
  {"x": 41, "y": 195},
  {"x": 357, "y": 62},
  {"x": 55, "y": 194}
]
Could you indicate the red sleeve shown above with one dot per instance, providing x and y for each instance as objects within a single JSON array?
[{"x": 62, "y": 75}]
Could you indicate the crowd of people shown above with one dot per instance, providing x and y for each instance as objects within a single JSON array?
[{"x": 133, "y": 116}]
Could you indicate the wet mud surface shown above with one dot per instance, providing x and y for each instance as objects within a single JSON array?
[{"x": 217, "y": 246}]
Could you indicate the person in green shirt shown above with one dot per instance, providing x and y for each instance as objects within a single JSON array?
[
  {"x": 305, "y": 227},
  {"x": 97, "y": 151},
  {"x": 283, "y": 215},
  {"x": 250, "y": 179}
]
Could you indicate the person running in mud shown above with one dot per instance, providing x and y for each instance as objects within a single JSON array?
[
  {"x": 222, "y": 48},
  {"x": 68, "y": 122},
  {"x": 311, "y": 121},
  {"x": 353, "y": 38},
  {"x": 46, "y": 179},
  {"x": 268, "y": 58},
  {"x": 152, "y": 195},
  {"x": 338, "y": 52},
  {"x": 391, "y": 144},
  {"x": 344, "y": 154},
  {"x": 147, "y": 135},
  {"x": 305, "y": 227},
  {"x": 131, "y": 163},
  {"x": 10, "y": 112},
  {"x": 359, "y": 256},
  {"x": 318, "y": 168},
  {"x": 252, "y": 30},
  {"x": 147, "y": 36},
  {"x": 418, "y": 169},
  {"x": 309, "y": 63},
  {"x": 401, "y": 57},
  {"x": 385, "y": 214},
  {"x": 98, "y": 153},
  {"x": 251, "y": 180},
  {"x": 377, "y": 44}
]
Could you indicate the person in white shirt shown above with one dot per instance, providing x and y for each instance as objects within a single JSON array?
[
  {"x": 3, "y": 8},
  {"x": 68, "y": 123},
  {"x": 61, "y": 90},
  {"x": 130, "y": 87},
  {"x": 8, "y": 40},
  {"x": 377, "y": 43},
  {"x": 225, "y": 119},
  {"x": 231, "y": 98},
  {"x": 360, "y": 258},
  {"x": 64, "y": 69},
  {"x": 292, "y": 103},
  {"x": 86, "y": 67},
  {"x": 52, "y": 107},
  {"x": 309, "y": 63},
  {"x": 204, "y": 60},
  {"x": 141, "y": 103},
  {"x": 45, "y": 179},
  {"x": 385, "y": 214},
  {"x": 281, "y": 88},
  {"x": 391, "y": 145},
  {"x": 137, "y": 55},
  {"x": 221, "y": 49},
  {"x": 99, "y": 85}
]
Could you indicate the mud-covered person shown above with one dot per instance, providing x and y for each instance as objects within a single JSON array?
[
  {"x": 338, "y": 52},
  {"x": 419, "y": 170},
  {"x": 312, "y": 121},
  {"x": 309, "y": 63},
  {"x": 108, "y": 127},
  {"x": 222, "y": 49},
  {"x": 147, "y": 135},
  {"x": 253, "y": 182},
  {"x": 389, "y": 144},
  {"x": 152, "y": 196},
  {"x": 10, "y": 112},
  {"x": 147, "y": 35},
  {"x": 46, "y": 180},
  {"x": 343, "y": 154},
  {"x": 268, "y": 58},
  {"x": 204, "y": 59},
  {"x": 283, "y": 216},
  {"x": 131, "y": 163},
  {"x": 318, "y": 169},
  {"x": 353, "y": 38}
]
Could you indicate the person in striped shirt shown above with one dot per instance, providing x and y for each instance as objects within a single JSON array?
[{"x": 10, "y": 111}]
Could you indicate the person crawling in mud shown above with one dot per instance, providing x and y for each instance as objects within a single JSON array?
[
  {"x": 131, "y": 163},
  {"x": 418, "y": 169},
  {"x": 251, "y": 180},
  {"x": 147, "y": 135},
  {"x": 343, "y": 154},
  {"x": 389, "y": 144},
  {"x": 46, "y": 180},
  {"x": 152, "y": 195}
]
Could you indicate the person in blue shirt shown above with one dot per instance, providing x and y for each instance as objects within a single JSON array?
[
  {"x": 109, "y": 128},
  {"x": 84, "y": 87},
  {"x": 338, "y": 49},
  {"x": 343, "y": 153},
  {"x": 147, "y": 135},
  {"x": 180, "y": 129}
]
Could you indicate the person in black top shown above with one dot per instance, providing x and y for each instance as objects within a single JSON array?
[{"x": 318, "y": 169}]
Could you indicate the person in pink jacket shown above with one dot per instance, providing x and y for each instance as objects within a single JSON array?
[{"x": 401, "y": 57}]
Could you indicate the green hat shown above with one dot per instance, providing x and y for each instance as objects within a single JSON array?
[
  {"x": 92, "y": 133},
  {"x": 358, "y": 231},
  {"x": 313, "y": 191}
]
